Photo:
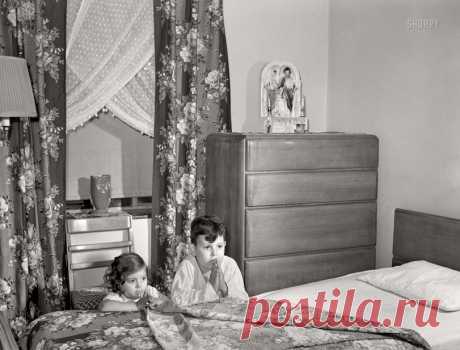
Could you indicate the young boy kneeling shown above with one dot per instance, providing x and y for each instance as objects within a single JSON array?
[{"x": 210, "y": 274}]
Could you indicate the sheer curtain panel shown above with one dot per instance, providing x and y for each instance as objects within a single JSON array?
[{"x": 110, "y": 62}]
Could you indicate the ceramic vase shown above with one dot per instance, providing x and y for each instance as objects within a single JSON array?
[{"x": 101, "y": 192}]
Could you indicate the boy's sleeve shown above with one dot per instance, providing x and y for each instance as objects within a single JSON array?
[
  {"x": 235, "y": 282},
  {"x": 182, "y": 291}
]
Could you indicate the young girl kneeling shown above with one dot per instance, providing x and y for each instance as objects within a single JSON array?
[{"x": 127, "y": 279}]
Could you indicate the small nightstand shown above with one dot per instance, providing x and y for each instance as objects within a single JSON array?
[{"x": 93, "y": 240}]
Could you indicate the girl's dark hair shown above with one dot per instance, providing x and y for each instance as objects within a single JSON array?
[
  {"x": 122, "y": 265},
  {"x": 209, "y": 226}
]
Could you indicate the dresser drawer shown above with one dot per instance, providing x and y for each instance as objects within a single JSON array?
[
  {"x": 310, "y": 187},
  {"x": 309, "y": 228},
  {"x": 319, "y": 151},
  {"x": 267, "y": 274}
]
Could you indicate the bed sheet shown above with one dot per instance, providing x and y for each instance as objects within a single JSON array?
[{"x": 446, "y": 336}]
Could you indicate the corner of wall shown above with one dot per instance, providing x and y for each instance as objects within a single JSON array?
[{"x": 326, "y": 96}]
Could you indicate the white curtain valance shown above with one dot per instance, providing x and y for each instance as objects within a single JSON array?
[{"x": 110, "y": 61}]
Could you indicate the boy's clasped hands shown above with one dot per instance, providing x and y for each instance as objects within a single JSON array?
[{"x": 217, "y": 280}]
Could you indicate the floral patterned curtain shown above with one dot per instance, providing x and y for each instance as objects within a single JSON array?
[
  {"x": 193, "y": 101},
  {"x": 32, "y": 253}
]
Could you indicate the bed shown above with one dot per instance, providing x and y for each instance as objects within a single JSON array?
[
  {"x": 417, "y": 236},
  {"x": 219, "y": 325}
]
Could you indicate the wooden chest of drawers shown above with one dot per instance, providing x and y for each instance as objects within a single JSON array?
[{"x": 298, "y": 207}]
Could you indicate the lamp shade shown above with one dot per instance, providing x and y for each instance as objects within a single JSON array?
[{"x": 16, "y": 96}]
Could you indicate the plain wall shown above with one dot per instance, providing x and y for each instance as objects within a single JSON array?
[
  {"x": 261, "y": 31},
  {"x": 402, "y": 85},
  {"x": 106, "y": 145}
]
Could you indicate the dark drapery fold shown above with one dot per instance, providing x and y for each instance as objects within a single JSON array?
[
  {"x": 193, "y": 100},
  {"x": 32, "y": 274}
]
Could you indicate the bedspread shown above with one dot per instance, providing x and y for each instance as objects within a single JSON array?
[
  {"x": 78, "y": 329},
  {"x": 203, "y": 326}
]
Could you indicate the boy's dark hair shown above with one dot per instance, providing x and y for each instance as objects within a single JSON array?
[
  {"x": 123, "y": 265},
  {"x": 208, "y": 225}
]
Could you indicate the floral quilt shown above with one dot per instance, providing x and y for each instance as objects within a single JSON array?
[
  {"x": 82, "y": 329},
  {"x": 204, "y": 326}
]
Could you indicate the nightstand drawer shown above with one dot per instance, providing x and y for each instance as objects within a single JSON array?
[{"x": 93, "y": 224}]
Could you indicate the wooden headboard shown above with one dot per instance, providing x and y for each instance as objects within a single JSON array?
[{"x": 421, "y": 236}]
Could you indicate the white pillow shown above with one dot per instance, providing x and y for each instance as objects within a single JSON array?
[{"x": 419, "y": 280}]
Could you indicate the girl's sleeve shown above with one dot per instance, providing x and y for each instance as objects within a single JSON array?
[
  {"x": 182, "y": 291},
  {"x": 235, "y": 282},
  {"x": 152, "y": 292},
  {"x": 113, "y": 297}
]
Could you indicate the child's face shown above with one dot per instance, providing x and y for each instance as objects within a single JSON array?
[
  {"x": 206, "y": 252},
  {"x": 135, "y": 284}
]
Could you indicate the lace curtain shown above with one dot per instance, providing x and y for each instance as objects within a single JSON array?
[{"x": 110, "y": 62}]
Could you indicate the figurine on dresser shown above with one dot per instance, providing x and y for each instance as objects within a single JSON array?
[{"x": 282, "y": 104}]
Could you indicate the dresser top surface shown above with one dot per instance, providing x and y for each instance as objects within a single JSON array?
[{"x": 310, "y": 135}]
